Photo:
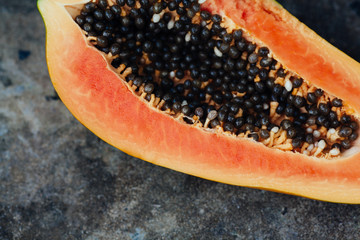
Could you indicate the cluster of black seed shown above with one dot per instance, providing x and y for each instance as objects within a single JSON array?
[{"x": 184, "y": 61}]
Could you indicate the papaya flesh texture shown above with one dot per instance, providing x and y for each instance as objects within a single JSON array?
[{"x": 100, "y": 99}]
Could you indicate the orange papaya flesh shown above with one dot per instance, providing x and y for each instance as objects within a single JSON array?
[{"x": 102, "y": 102}]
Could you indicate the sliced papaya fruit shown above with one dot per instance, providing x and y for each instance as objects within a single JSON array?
[{"x": 238, "y": 92}]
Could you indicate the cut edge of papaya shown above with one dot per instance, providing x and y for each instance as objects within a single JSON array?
[{"x": 105, "y": 105}]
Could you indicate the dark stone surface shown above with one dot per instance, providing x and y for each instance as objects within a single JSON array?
[{"x": 59, "y": 181}]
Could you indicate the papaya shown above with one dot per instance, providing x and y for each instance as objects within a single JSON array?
[{"x": 238, "y": 92}]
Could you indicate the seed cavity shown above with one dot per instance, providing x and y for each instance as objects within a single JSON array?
[{"x": 185, "y": 62}]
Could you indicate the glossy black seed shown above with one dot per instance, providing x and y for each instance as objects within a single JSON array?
[
  {"x": 125, "y": 21},
  {"x": 149, "y": 88},
  {"x": 239, "y": 122},
  {"x": 296, "y": 142},
  {"x": 264, "y": 133},
  {"x": 186, "y": 110},
  {"x": 250, "y": 119},
  {"x": 277, "y": 89},
  {"x": 89, "y": 19},
  {"x": 291, "y": 132},
  {"x": 130, "y": 3},
  {"x": 263, "y": 51},
  {"x": 249, "y": 127},
  {"x": 345, "y": 119},
  {"x": 313, "y": 111},
  {"x": 89, "y": 7},
  {"x": 87, "y": 27},
  {"x": 299, "y": 102},
  {"x": 345, "y": 144},
  {"x": 99, "y": 14},
  {"x": 147, "y": 46},
  {"x": 99, "y": 26},
  {"x": 297, "y": 82},
  {"x": 216, "y": 18},
  {"x": 205, "y": 15},
  {"x": 234, "y": 52},
  {"x": 222, "y": 114},
  {"x": 190, "y": 13},
  {"x": 253, "y": 70},
  {"x": 227, "y": 37},
  {"x": 336, "y": 102},
  {"x": 139, "y": 22},
  {"x": 280, "y": 108},
  {"x": 319, "y": 92},
  {"x": 253, "y": 58},
  {"x": 187, "y": 84},
  {"x": 116, "y": 9},
  {"x": 289, "y": 111},
  {"x": 309, "y": 138},
  {"x": 218, "y": 97},
  {"x": 251, "y": 47},
  {"x": 228, "y": 126},
  {"x": 121, "y": 2},
  {"x": 173, "y": 5},
  {"x": 107, "y": 33},
  {"x": 353, "y": 136},
  {"x": 102, "y": 41},
  {"x": 197, "y": 83},
  {"x": 265, "y": 62},
  {"x": 80, "y": 20},
  {"x": 115, "y": 49},
  {"x": 281, "y": 73},
  {"x": 181, "y": 11},
  {"x": 176, "y": 107},
  {"x": 286, "y": 124},
  {"x": 109, "y": 15},
  {"x": 334, "y": 123},
  {"x": 320, "y": 120},
  {"x": 345, "y": 131},
  {"x": 138, "y": 81},
  {"x": 241, "y": 45},
  {"x": 214, "y": 123},
  {"x": 311, "y": 97},
  {"x": 254, "y": 136},
  {"x": 354, "y": 126},
  {"x": 199, "y": 111},
  {"x": 157, "y": 7},
  {"x": 324, "y": 109},
  {"x": 224, "y": 47}
]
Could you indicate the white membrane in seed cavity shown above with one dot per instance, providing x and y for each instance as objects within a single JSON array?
[
  {"x": 275, "y": 129},
  {"x": 156, "y": 18},
  {"x": 217, "y": 52},
  {"x": 316, "y": 133},
  {"x": 288, "y": 85},
  {"x": 309, "y": 130},
  {"x": 184, "y": 103},
  {"x": 305, "y": 152},
  {"x": 201, "y": 1},
  {"x": 322, "y": 144},
  {"x": 187, "y": 37},
  {"x": 331, "y": 131},
  {"x": 310, "y": 147},
  {"x": 334, "y": 152},
  {"x": 171, "y": 24}
]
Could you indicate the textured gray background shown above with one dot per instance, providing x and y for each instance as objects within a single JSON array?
[{"x": 59, "y": 181}]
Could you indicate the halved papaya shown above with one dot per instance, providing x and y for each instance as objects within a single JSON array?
[{"x": 102, "y": 95}]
